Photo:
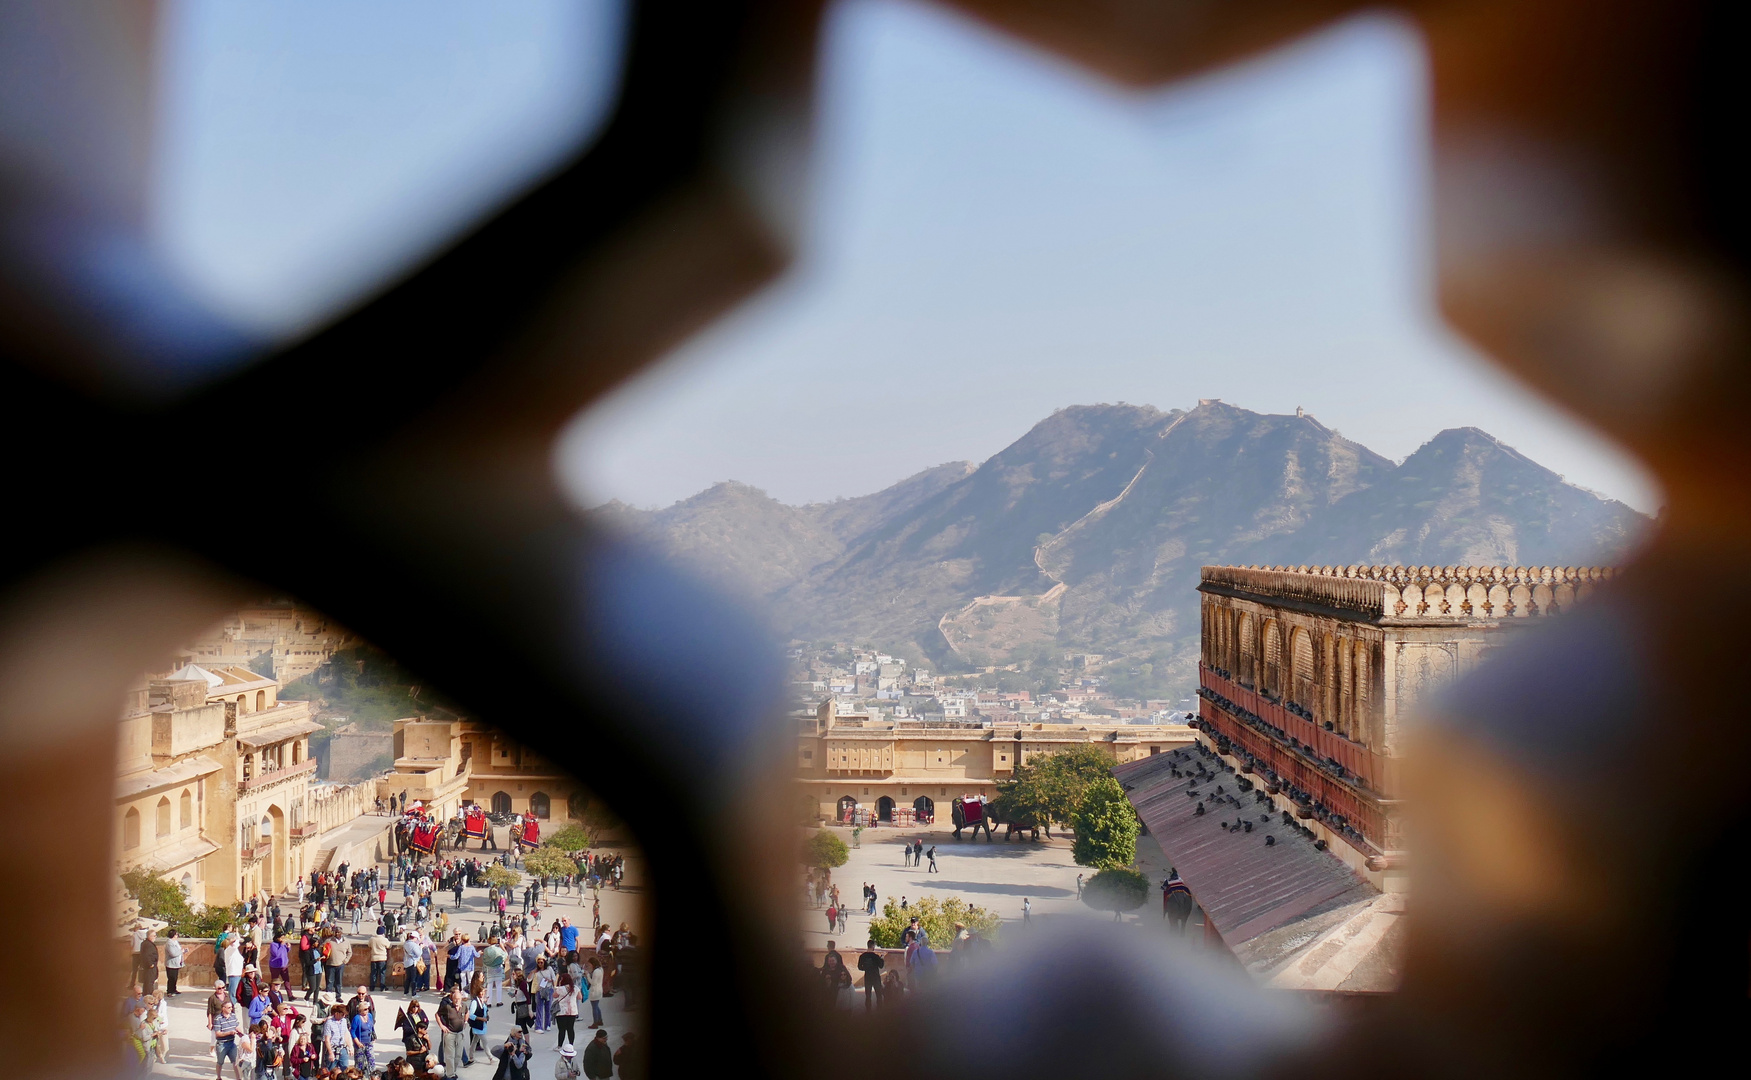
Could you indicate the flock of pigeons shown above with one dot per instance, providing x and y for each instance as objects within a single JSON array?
[{"x": 1197, "y": 767}]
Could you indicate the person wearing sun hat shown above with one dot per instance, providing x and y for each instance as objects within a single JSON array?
[{"x": 567, "y": 1066}]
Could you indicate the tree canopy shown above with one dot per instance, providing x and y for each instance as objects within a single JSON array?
[
  {"x": 1117, "y": 890},
  {"x": 165, "y": 900},
  {"x": 1106, "y": 827},
  {"x": 938, "y": 917},
  {"x": 549, "y": 862},
  {"x": 824, "y": 850},
  {"x": 1050, "y": 788},
  {"x": 502, "y": 876}
]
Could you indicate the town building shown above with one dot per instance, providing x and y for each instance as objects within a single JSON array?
[
  {"x": 289, "y": 640},
  {"x": 850, "y": 760},
  {"x": 273, "y": 774},
  {"x": 212, "y": 783},
  {"x": 447, "y": 764},
  {"x": 175, "y": 795}
]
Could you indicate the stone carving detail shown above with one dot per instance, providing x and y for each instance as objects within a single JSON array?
[{"x": 1433, "y": 593}]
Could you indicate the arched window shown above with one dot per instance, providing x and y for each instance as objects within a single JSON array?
[
  {"x": 131, "y": 828},
  {"x": 501, "y": 802},
  {"x": 540, "y": 805},
  {"x": 163, "y": 821},
  {"x": 577, "y": 804},
  {"x": 261, "y": 700},
  {"x": 298, "y": 751},
  {"x": 242, "y": 703},
  {"x": 188, "y": 809},
  {"x": 188, "y": 886}
]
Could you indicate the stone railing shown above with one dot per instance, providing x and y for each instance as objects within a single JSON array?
[
  {"x": 331, "y": 806},
  {"x": 1435, "y": 593},
  {"x": 274, "y": 776}
]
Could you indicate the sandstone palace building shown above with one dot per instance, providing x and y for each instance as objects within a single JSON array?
[
  {"x": 898, "y": 770},
  {"x": 1306, "y": 674}
]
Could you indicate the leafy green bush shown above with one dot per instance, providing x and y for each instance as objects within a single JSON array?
[
  {"x": 503, "y": 876},
  {"x": 824, "y": 850},
  {"x": 1106, "y": 827},
  {"x": 571, "y": 838},
  {"x": 161, "y": 899},
  {"x": 1117, "y": 890},
  {"x": 938, "y": 917}
]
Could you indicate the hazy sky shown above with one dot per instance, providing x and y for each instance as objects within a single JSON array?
[{"x": 995, "y": 235}]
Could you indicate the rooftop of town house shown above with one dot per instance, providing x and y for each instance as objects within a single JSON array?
[
  {"x": 1414, "y": 594},
  {"x": 222, "y": 678}
]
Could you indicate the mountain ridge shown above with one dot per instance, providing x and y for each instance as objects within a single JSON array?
[{"x": 1095, "y": 522}]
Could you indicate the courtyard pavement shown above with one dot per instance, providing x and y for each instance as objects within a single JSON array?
[
  {"x": 191, "y": 1047},
  {"x": 995, "y": 875}
]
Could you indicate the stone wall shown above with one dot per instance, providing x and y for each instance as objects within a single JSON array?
[{"x": 332, "y": 806}]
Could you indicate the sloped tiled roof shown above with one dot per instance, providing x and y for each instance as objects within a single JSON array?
[{"x": 1269, "y": 901}]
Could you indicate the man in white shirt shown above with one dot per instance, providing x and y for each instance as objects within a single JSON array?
[{"x": 172, "y": 963}]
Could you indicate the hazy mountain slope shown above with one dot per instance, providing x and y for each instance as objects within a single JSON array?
[
  {"x": 1465, "y": 499},
  {"x": 747, "y": 542},
  {"x": 977, "y": 536},
  {"x": 742, "y": 538},
  {"x": 852, "y": 519},
  {"x": 1121, "y": 504},
  {"x": 1219, "y": 481}
]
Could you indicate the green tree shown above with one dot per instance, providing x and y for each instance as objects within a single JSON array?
[
  {"x": 1118, "y": 889},
  {"x": 549, "y": 862},
  {"x": 1049, "y": 789},
  {"x": 503, "y": 876},
  {"x": 1106, "y": 827},
  {"x": 825, "y": 851},
  {"x": 157, "y": 898},
  {"x": 938, "y": 917}
]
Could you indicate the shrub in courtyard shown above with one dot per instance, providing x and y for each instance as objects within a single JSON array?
[
  {"x": 549, "y": 862},
  {"x": 1106, "y": 827},
  {"x": 825, "y": 851},
  {"x": 571, "y": 838},
  {"x": 502, "y": 876},
  {"x": 938, "y": 917},
  {"x": 1117, "y": 890}
]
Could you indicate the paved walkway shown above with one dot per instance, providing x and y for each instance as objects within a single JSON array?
[
  {"x": 995, "y": 875},
  {"x": 191, "y": 1052}
]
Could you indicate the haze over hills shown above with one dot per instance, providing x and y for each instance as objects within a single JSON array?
[{"x": 1087, "y": 533}]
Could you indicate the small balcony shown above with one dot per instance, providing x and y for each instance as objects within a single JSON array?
[{"x": 267, "y": 779}]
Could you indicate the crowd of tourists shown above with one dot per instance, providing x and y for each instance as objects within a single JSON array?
[{"x": 547, "y": 978}]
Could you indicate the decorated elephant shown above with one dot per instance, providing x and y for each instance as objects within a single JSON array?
[
  {"x": 971, "y": 813},
  {"x": 1029, "y": 824}
]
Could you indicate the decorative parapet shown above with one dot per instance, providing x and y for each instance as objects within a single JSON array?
[
  {"x": 1421, "y": 593},
  {"x": 275, "y": 776}
]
